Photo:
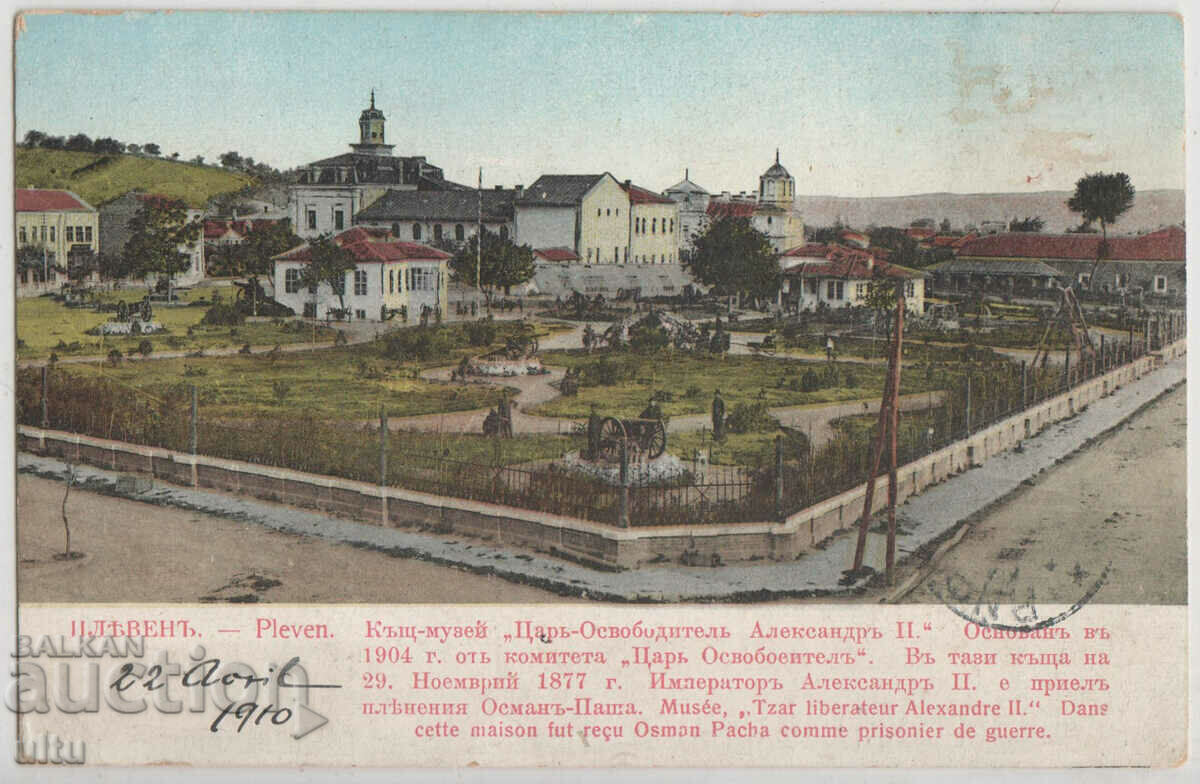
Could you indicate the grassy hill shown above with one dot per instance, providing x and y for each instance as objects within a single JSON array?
[{"x": 100, "y": 178}]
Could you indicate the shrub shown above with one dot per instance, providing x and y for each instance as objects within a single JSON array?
[
  {"x": 245, "y": 349},
  {"x": 647, "y": 339},
  {"x": 135, "y": 328},
  {"x": 280, "y": 389},
  {"x": 750, "y": 418},
  {"x": 114, "y": 356},
  {"x": 810, "y": 381},
  {"x": 694, "y": 391},
  {"x": 145, "y": 348},
  {"x": 481, "y": 332},
  {"x": 851, "y": 381},
  {"x": 222, "y": 316},
  {"x": 340, "y": 339},
  {"x": 419, "y": 343},
  {"x": 53, "y": 357}
]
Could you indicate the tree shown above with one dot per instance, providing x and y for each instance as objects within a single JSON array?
[
  {"x": 150, "y": 148},
  {"x": 230, "y": 160},
  {"x": 881, "y": 298},
  {"x": 174, "y": 156},
  {"x": 80, "y": 142},
  {"x": 1101, "y": 197},
  {"x": 133, "y": 149},
  {"x": 328, "y": 263},
  {"x": 108, "y": 146},
  {"x": 34, "y": 139},
  {"x": 945, "y": 225},
  {"x": 53, "y": 142},
  {"x": 734, "y": 258},
  {"x": 502, "y": 264},
  {"x": 160, "y": 232},
  {"x": 1032, "y": 225},
  {"x": 265, "y": 241},
  {"x": 198, "y": 160}
]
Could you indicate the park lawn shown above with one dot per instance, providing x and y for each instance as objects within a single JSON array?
[
  {"x": 692, "y": 380},
  {"x": 481, "y": 449},
  {"x": 742, "y": 449},
  {"x": 45, "y": 326},
  {"x": 330, "y": 384}
]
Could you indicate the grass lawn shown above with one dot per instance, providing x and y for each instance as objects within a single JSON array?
[
  {"x": 692, "y": 379},
  {"x": 42, "y": 324},
  {"x": 331, "y": 384}
]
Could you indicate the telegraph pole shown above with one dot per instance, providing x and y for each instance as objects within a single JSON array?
[{"x": 479, "y": 237}]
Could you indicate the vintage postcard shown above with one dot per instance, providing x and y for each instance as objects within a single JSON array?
[{"x": 449, "y": 390}]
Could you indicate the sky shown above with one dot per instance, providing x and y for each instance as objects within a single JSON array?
[{"x": 857, "y": 104}]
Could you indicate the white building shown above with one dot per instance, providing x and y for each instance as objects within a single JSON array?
[
  {"x": 389, "y": 273},
  {"x": 771, "y": 209},
  {"x": 329, "y": 193},
  {"x": 837, "y": 276},
  {"x": 693, "y": 210}
]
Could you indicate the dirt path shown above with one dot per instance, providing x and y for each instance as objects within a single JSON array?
[
  {"x": 183, "y": 556},
  {"x": 1121, "y": 501}
]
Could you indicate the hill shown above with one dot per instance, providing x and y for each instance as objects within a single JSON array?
[
  {"x": 99, "y": 178},
  {"x": 1151, "y": 209}
]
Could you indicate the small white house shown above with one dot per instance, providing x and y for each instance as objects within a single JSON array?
[
  {"x": 389, "y": 273},
  {"x": 838, "y": 276}
]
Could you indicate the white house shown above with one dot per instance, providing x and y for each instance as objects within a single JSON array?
[
  {"x": 838, "y": 276},
  {"x": 389, "y": 273}
]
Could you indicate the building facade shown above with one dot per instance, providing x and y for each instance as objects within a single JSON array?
[
  {"x": 588, "y": 213},
  {"x": 443, "y": 218},
  {"x": 654, "y": 229},
  {"x": 63, "y": 228},
  {"x": 115, "y": 233},
  {"x": 692, "y": 201},
  {"x": 770, "y": 209},
  {"x": 389, "y": 274},
  {"x": 330, "y": 193}
]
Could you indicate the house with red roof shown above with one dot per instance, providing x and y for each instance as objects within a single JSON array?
[
  {"x": 63, "y": 232},
  {"x": 389, "y": 275},
  {"x": 1019, "y": 263},
  {"x": 115, "y": 216},
  {"x": 832, "y": 275},
  {"x": 771, "y": 210}
]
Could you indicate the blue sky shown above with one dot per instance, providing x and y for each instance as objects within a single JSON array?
[{"x": 859, "y": 105}]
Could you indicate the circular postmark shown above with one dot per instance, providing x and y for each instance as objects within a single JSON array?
[{"x": 1003, "y": 602}]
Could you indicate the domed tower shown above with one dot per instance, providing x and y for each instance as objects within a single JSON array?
[
  {"x": 370, "y": 131},
  {"x": 776, "y": 186}
]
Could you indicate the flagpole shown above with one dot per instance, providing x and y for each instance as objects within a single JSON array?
[{"x": 479, "y": 237}]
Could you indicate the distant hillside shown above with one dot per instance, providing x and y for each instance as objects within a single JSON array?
[
  {"x": 100, "y": 178},
  {"x": 1151, "y": 209}
]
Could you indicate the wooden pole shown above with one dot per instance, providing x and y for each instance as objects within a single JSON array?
[
  {"x": 623, "y": 509},
  {"x": 195, "y": 420},
  {"x": 877, "y": 450},
  {"x": 45, "y": 407},
  {"x": 894, "y": 425},
  {"x": 778, "y": 477}
]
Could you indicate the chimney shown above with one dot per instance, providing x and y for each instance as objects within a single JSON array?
[
  {"x": 520, "y": 191},
  {"x": 628, "y": 184}
]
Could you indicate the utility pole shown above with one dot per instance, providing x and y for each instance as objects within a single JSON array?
[{"x": 479, "y": 238}]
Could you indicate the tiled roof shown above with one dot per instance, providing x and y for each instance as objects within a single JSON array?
[
  {"x": 919, "y": 233},
  {"x": 686, "y": 186},
  {"x": 731, "y": 209},
  {"x": 455, "y": 205},
  {"x": 556, "y": 254},
  {"x": 372, "y": 245},
  {"x": 639, "y": 195},
  {"x": 46, "y": 200},
  {"x": 559, "y": 190},
  {"x": 1168, "y": 244},
  {"x": 1013, "y": 267},
  {"x": 839, "y": 261}
]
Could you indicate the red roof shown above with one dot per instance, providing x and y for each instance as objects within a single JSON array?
[
  {"x": 45, "y": 200},
  {"x": 638, "y": 195},
  {"x": 215, "y": 229},
  {"x": 919, "y": 233},
  {"x": 556, "y": 254},
  {"x": 372, "y": 245},
  {"x": 839, "y": 261},
  {"x": 731, "y": 209},
  {"x": 1169, "y": 244}
]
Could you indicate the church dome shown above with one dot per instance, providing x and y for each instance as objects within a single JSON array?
[
  {"x": 776, "y": 171},
  {"x": 371, "y": 113}
]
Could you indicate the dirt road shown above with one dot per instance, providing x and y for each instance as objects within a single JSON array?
[{"x": 1122, "y": 501}]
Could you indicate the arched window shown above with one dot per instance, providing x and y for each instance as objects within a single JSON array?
[
  {"x": 416, "y": 231},
  {"x": 437, "y": 231},
  {"x": 459, "y": 232}
]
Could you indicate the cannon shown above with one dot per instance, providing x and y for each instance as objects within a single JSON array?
[
  {"x": 523, "y": 344},
  {"x": 644, "y": 437}
]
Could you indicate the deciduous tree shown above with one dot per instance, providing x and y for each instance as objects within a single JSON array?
[
  {"x": 160, "y": 236},
  {"x": 1104, "y": 198},
  {"x": 328, "y": 263},
  {"x": 734, "y": 258},
  {"x": 502, "y": 264}
]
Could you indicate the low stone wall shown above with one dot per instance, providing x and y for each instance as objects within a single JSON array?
[{"x": 566, "y": 536}]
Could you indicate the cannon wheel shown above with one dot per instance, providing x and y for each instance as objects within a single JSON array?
[
  {"x": 612, "y": 435},
  {"x": 656, "y": 440}
]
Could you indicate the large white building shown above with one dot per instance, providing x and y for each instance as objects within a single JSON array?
[
  {"x": 388, "y": 273},
  {"x": 838, "y": 276},
  {"x": 329, "y": 193}
]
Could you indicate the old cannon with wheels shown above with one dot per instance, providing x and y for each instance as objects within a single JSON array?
[{"x": 641, "y": 437}]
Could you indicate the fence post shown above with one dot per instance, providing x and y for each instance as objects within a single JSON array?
[
  {"x": 778, "y": 477},
  {"x": 1024, "y": 386},
  {"x": 195, "y": 439},
  {"x": 1103, "y": 355},
  {"x": 623, "y": 509},
  {"x": 1067, "y": 367},
  {"x": 968, "y": 406},
  {"x": 383, "y": 442},
  {"x": 45, "y": 408}
]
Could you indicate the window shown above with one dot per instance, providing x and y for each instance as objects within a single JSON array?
[
  {"x": 597, "y": 212},
  {"x": 291, "y": 280},
  {"x": 503, "y": 232},
  {"x": 834, "y": 289},
  {"x": 416, "y": 231},
  {"x": 618, "y": 212},
  {"x": 360, "y": 283},
  {"x": 437, "y": 231},
  {"x": 860, "y": 290},
  {"x": 361, "y": 315},
  {"x": 768, "y": 220},
  {"x": 43, "y": 233},
  {"x": 910, "y": 289},
  {"x": 608, "y": 212},
  {"x": 653, "y": 225},
  {"x": 1085, "y": 279},
  {"x": 1160, "y": 282},
  {"x": 87, "y": 233},
  {"x": 70, "y": 233},
  {"x": 459, "y": 233},
  {"x": 672, "y": 225},
  {"x": 422, "y": 279},
  {"x": 589, "y": 255},
  {"x": 339, "y": 220},
  {"x": 340, "y": 288},
  {"x": 312, "y": 219},
  {"x": 616, "y": 254},
  {"x": 391, "y": 281},
  {"x": 1122, "y": 280},
  {"x": 21, "y": 236}
]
